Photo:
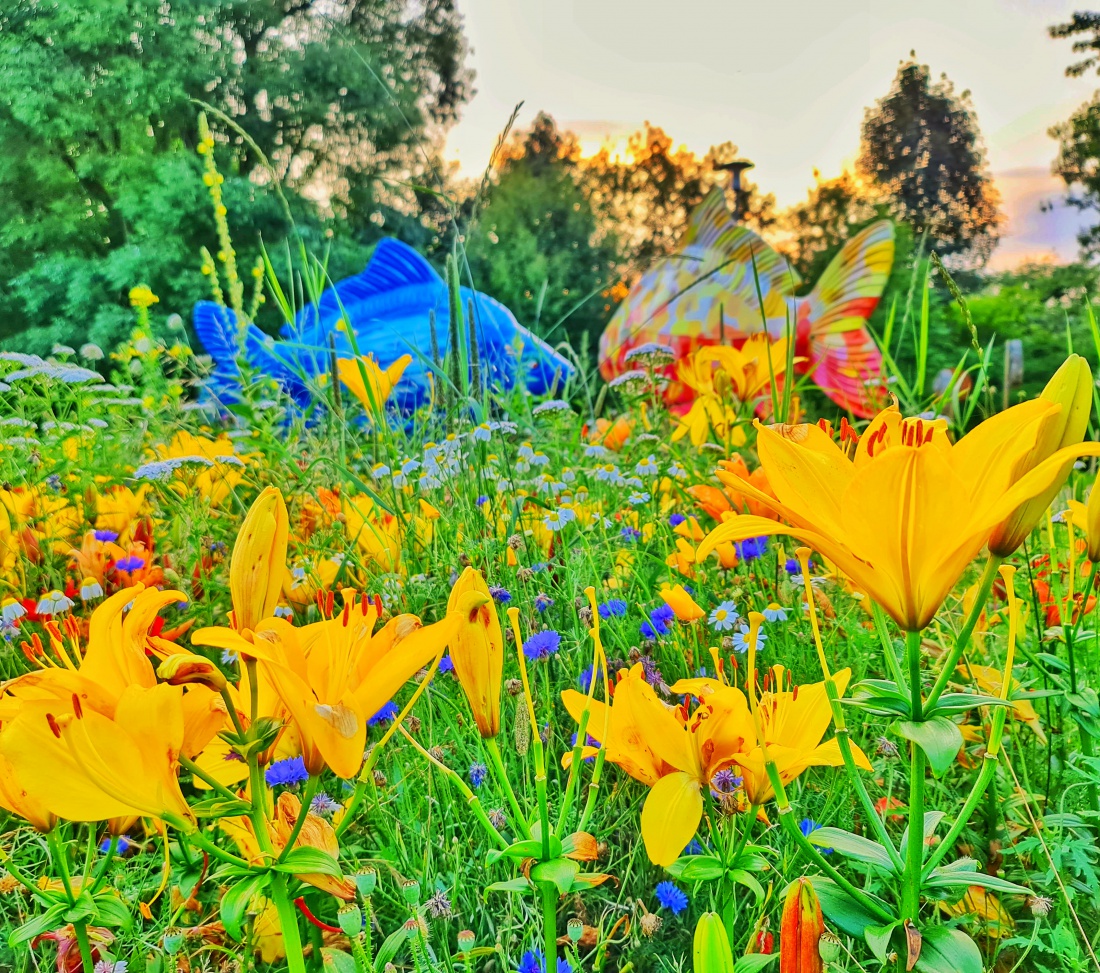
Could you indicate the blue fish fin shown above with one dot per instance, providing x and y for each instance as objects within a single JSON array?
[{"x": 216, "y": 327}]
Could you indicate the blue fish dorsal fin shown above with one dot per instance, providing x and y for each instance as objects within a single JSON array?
[
  {"x": 216, "y": 328},
  {"x": 392, "y": 265}
]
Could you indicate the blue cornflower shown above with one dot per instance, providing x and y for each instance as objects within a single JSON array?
[
  {"x": 741, "y": 638},
  {"x": 323, "y": 804},
  {"x": 809, "y": 825},
  {"x": 533, "y": 962},
  {"x": 446, "y": 664},
  {"x": 107, "y": 536},
  {"x": 724, "y": 617},
  {"x": 725, "y": 781},
  {"x": 543, "y": 601},
  {"x": 694, "y": 848},
  {"x": 478, "y": 773},
  {"x": 123, "y": 845},
  {"x": 387, "y": 714},
  {"x": 752, "y": 548},
  {"x": 630, "y": 533},
  {"x": 671, "y": 897},
  {"x": 585, "y": 678},
  {"x": 286, "y": 772},
  {"x": 675, "y": 520},
  {"x": 659, "y": 622},
  {"x": 791, "y": 566},
  {"x": 503, "y": 595},
  {"x": 132, "y": 563},
  {"x": 542, "y": 644},
  {"x": 612, "y": 608},
  {"x": 482, "y": 499}
]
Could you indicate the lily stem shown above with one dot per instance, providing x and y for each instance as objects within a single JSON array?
[
  {"x": 497, "y": 763},
  {"x": 80, "y": 926},
  {"x": 915, "y": 848},
  {"x": 549, "y": 893}
]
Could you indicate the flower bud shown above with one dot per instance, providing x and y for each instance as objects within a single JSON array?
[
  {"x": 477, "y": 649},
  {"x": 800, "y": 930},
  {"x": 183, "y": 667},
  {"x": 466, "y": 940},
  {"x": 411, "y": 891},
  {"x": 1092, "y": 522},
  {"x": 257, "y": 567},
  {"x": 575, "y": 929},
  {"x": 1071, "y": 388},
  {"x": 173, "y": 940},
  {"x": 350, "y": 918},
  {"x": 711, "y": 950}
]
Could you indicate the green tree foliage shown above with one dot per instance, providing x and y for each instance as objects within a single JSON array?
[
  {"x": 100, "y": 187},
  {"x": 1078, "y": 137},
  {"x": 538, "y": 246},
  {"x": 921, "y": 146}
]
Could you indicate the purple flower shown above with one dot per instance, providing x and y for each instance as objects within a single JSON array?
[
  {"x": 446, "y": 664},
  {"x": 542, "y": 644},
  {"x": 106, "y": 536},
  {"x": 725, "y": 781},
  {"x": 132, "y": 563},
  {"x": 543, "y": 601},
  {"x": 630, "y": 534},
  {"x": 323, "y": 804},
  {"x": 503, "y": 595},
  {"x": 675, "y": 520},
  {"x": 478, "y": 773},
  {"x": 752, "y": 548}
]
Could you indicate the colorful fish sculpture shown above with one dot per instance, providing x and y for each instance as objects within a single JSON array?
[
  {"x": 388, "y": 307},
  {"x": 725, "y": 284}
]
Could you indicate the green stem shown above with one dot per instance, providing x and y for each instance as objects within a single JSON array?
[
  {"x": 549, "y": 894},
  {"x": 989, "y": 765},
  {"x": 80, "y": 926},
  {"x": 496, "y": 761},
  {"x": 915, "y": 849},
  {"x": 288, "y": 922},
  {"x": 196, "y": 771},
  {"x": 989, "y": 575},
  {"x": 80, "y": 930}
]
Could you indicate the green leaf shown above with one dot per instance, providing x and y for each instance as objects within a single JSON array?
[
  {"x": 753, "y": 962},
  {"x": 48, "y": 920},
  {"x": 947, "y": 880},
  {"x": 308, "y": 861},
  {"x": 878, "y": 938},
  {"x": 852, "y": 846},
  {"x": 947, "y": 950},
  {"x": 110, "y": 910},
  {"x": 519, "y": 884},
  {"x": 841, "y": 909},
  {"x": 939, "y": 738},
  {"x": 961, "y": 702},
  {"x": 337, "y": 961},
  {"x": 83, "y": 908},
  {"x": 235, "y": 903},
  {"x": 559, "y": 872},
  {"x": 697, "y": 868},
  {"x": 219, "y": 807},
  {"x": 527, "y": 848},
  {"x": 741, "y": 877},
  {"x": 932, "y": 821}
]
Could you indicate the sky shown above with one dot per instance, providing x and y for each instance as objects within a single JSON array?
[{"x": 787, "y": 81}]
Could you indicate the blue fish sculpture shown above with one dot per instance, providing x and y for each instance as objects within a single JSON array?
[{"x": 388, "y": 307}]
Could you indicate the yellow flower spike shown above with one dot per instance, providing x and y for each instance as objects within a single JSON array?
[
  {"x": 800, "y": 929},
  {"x": 257, "y": 567},
  {"x": 719, "y": 665},
  {"x": 477, "y": 649},
  {"x": 682, "y": 604},
  {"x": 1071, "y": 388}
]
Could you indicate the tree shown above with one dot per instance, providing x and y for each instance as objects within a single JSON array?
[
  {"x": 922, "y": 148},
  {"x": 537, "y": 245},
  {"x": 1078, "y": 160},
  {"x": 834, "y": 210},
  {"x": 100, "y": 187},
  {"x": 650, "y": 197}
]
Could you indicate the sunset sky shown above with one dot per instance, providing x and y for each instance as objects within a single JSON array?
[{"x": 786, "y": 81}]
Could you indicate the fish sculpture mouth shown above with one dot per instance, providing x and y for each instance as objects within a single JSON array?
[
  {"x": 724, "y": 284},
  {"x": 387, "y": 312}
]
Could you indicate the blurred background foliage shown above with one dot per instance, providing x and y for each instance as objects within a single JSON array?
[{"x": 348, "y": 107}]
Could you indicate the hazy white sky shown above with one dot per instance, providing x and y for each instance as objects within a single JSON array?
[{"x": 787, "y": 81}]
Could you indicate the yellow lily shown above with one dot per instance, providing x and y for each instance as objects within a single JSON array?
[
  {"x": 906, "y": 514},
  {"x": 1086, "y": 518},
  {"x": 257, "y": 568},
  {"x": 1071, "y": 388},
  {"x": 83, "y": 766},
  {"x": 682, "y": 603},
  {"x": 334, "y": 675},
  {"x": 477, "y": 650},
  {"x": 16, "y": 798},
  {"x": 379, "y": 383}
]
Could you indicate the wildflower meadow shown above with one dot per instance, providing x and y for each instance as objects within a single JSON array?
[{"x": 749, "y": 641}]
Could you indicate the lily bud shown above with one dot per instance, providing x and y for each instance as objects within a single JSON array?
[
  {"x": 1071, "y": 388},
  {"x": 477, "y": 649},
  {"x": 183, "y": 667},
  {"x": 711, "y": 950},
  {"x": 1092, "y": 522},
  {"x": 257, "y": 568},
  {"x": 801, "y": 927},
  {"x": 682, "y": 604}
]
